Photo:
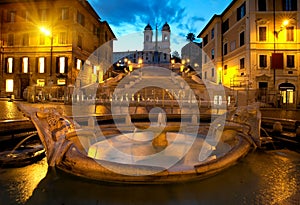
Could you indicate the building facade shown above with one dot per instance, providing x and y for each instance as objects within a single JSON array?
[
  {"x": 157, "y": 51},
  {"x": 254, "y": 45},
  {"x": 191, "y": 55},
  {"x": 47, "y": 42}
]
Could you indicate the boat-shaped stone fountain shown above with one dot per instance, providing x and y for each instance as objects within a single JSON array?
[{"x": 142, "y": 152}]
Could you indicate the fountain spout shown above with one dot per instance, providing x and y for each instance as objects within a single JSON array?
[{"x": 160, "y": 136}]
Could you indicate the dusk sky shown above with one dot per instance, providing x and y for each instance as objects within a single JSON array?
[{"x": 129, "y": 18}]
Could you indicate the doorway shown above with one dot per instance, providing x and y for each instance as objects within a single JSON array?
[{"x": 287, "y": 95}]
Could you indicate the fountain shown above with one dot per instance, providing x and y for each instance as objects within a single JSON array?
[
  {"x": 22, "y": 155},
  {"x": 160, "y": 152}
]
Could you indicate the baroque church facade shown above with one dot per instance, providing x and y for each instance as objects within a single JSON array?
[{"x": 156, "y": 49}]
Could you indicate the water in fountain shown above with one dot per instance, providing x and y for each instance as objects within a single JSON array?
[{"x": 20, "y": 143}]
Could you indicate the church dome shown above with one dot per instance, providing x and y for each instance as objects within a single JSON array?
[
  {"x": 166, "y": 27},
  {"x": 148, "y": 27}
]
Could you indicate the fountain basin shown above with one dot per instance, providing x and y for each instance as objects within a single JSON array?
[{"x": 82, "y": 153}]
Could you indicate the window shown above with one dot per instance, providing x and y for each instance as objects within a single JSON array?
[
  {"x": 242, "y": 63},
  {"x": 25, "y": 65},
  {"x": 290, "y": 33},
  {"x": 61, "y": 65},
  {"x": 241, "y": 11},
  {"x": 225, "y": 26},
  {"x": 78, "y": 64},
  {"x": 225, "y": 49},
  {"x": 232, "y": 45},
  {"x": 205, "y": 75},
  {"x": 277, "y": 61},
  {"x": 10, "y": 40},
  {"x": 9, "y": 65},
  {"x": 106, "y": 36},
  {"x": 290, "y": 61},
  {"x": 94, "y": 70},
  {"x": 212, "y": 54},
  {"x": 262, "y": 61},
  {"x": 43, "y": 14},
  {"x": 225, "y": 69},
  {"x": 25, "y": 15},
  {"x": 64, "y": 14},
  {"x": 79, "y": 42},
  {"x": 212, "y": 72},
  {"x": 289, "y": 5},
  {"x": 80, "y": 18},
  {"x": 262, "y": 5},
  {"x": 41, "y": 65},
  {"x": 242, "y": 38},
  {"x": 9, "y": 85},
  {"x": 212, "y": 33},
  {"x": 11, "y": 16},
  {"x": 205, "y": 40},
  {"x": 166, "y": 37},
  {"x": 96, "y": 30},
  {"x": 62, "y": 38},
  {"x": 25, "y": 39},
  {"x": 262, "y": 33}
]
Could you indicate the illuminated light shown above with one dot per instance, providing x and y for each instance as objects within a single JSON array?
[
  {"x": 285, "y": 23},
  {"x": 62, "y": 65},
  {"x": 10, "y": 65},
  {"x": 130, "y": 68},
  {"x": 45, "y": 31},
  {"x": 100, "y": 77},
  {"x": 9, "y": 85},
  {"x": 78, "y": 64},
  {"x": 181, "y": 68},
  {"x": 140, "y": 61},
  {"x": 125, "y": 60},
  {"x": 42, "y": 65},
  {"x": 172, "y": 61},
  {"x": 61, "y": 81},
  {"x": 183, "y": 61},
  {"x": 95, "y": 69},
  {"x": 25, "y": 64},
  {"x": 40, "y": 82}
]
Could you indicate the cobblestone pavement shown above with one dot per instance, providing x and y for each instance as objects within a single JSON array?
[{"x": 9, "y": 110}]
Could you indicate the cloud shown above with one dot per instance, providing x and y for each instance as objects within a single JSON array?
[{"x": 120, "y": 14}]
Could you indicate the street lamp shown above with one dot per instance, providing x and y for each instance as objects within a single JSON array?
[
  {"x": 277, "y": 57},
  {"x": 140, "y": 62},
  {"x": 48, "y": 33}
]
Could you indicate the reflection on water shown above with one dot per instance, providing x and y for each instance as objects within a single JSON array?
[
  {"x": 271, "y": 177},
  {"x": 17, "y": 184}
]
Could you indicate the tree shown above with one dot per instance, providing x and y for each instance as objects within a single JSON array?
[
  {"x": 190, "y": 37},
  {"x": 175, "y": 54}
]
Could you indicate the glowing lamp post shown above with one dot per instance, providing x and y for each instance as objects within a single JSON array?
[
  {"x": 220, "y": 75},
  {"x": 172, "y": 64},
  {"x": 277, "y": 58},
  {"x": 140, "y": 62},
  {"x": 48, "y": 33}
]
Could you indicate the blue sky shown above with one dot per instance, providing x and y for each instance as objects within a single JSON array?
[{"x": 128, "y": 18}]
